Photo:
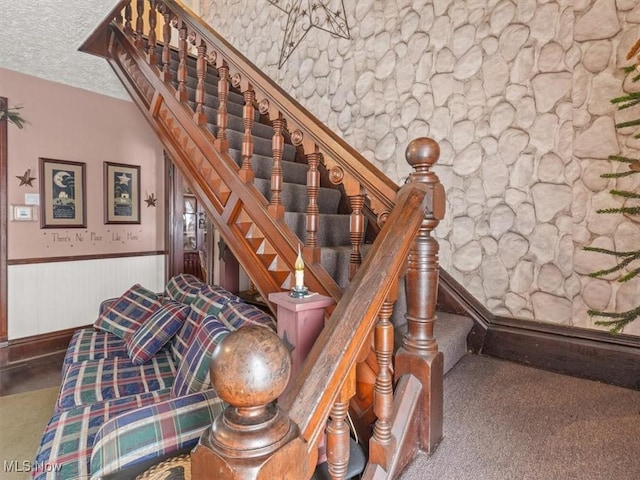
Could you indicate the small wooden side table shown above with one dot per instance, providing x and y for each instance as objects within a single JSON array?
[{"x": 300, "y": 321}]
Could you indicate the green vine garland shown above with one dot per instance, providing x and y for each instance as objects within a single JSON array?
[{"x": 628, "y": 263}]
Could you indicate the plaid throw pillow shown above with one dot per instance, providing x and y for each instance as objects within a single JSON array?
[
  {"x": 210, "y": 300},
  {"x": 145, "y": 342},
  {"x": 193, "y": 374},
  {"x": 130, "y": 311}
]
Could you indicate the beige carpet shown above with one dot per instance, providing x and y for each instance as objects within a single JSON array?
[
  {"x": 23, "y": 417},
  {"x": 504, "y": 421}
]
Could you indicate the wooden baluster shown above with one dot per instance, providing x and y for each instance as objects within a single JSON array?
[
  {"x": 338, "y": 430},
  {"x": 382, "y": 443},
  {"x": 201, "y": 72},
  {"x": 152, "y": 56},
  {"x": 119, "y": 18},
  {"x": 140, "y": 24},
  {"x": 222, "y": 144},
  {"x": 181, "y": 94},
  {"x": 128, "y": 15},
  {"x": 248, "y": 112},
  {"x": 356, "y": 232},
  {"x": 419, "y": 354},
  {"x": 167, "y": 76},
  {"x": 313, "y": 213},
  {"x": 277, "y": 143}
]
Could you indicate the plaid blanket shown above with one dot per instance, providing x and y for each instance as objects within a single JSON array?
[
  {"x": 238, "y": 315},
  {"x": 93, "y": 381},
  {"x": 183, "y": 288},
  {"x": 153, "y": 431},
  {"x": 68, "y": 438}
]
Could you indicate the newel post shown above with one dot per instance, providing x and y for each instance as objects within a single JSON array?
[
  {"x": 419, "y": 354},
  {"x": 253, "y": 439}
]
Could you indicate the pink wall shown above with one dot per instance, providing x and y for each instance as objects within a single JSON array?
[{"x": 67, "y": 123}]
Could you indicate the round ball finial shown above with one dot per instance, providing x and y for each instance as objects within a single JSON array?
[
  {"x": 250, "y": 367},
  {"x": 422, "y": 153}
]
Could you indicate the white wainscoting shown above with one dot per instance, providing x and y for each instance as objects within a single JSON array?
[{"x": 45, "y": 297}]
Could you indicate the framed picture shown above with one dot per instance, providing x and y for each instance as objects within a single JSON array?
[
  {"x": 63, "y": 193},
  {"x": 121, "y": 193}
]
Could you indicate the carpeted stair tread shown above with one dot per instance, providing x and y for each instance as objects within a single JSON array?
[
  {"x": 292, "y": 172},
  {"x": 451, "y": 333},
  {"x": 211, "y": 101},
  {"x": 192, "y": 68},
  {"x": 295, "y": 199},
  {"x": 212, "y": 88},
  {"x": 236, "y": 123},
  {"x": 333, "y": 229},
  {"x": 450, "y": 330},
  {"x": 261, "y": 146},
  {"x": 333, "y": 260},
  {"x": 211, "y": 77}
]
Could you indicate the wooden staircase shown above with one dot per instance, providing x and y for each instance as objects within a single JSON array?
[{"x": 272, "y": 177}]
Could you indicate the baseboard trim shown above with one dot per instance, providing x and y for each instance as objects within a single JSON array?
[
  {"x": 579, "y": 352},
  {"x": 79, "y": 258},
  {"x": 600, "y": 360},
  {"x": 25, "y": 348}
]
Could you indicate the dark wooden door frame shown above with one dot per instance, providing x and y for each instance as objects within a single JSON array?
[
  {"x": 4, "y": 333},
  {"x": 173, "y": 226}
]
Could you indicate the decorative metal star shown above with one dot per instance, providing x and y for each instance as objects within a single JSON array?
[
  {"x": 327, "y": 15},
  {"x": 151, "y": 200},
  {"x": 26, "y": 179},
  {"x": 287, "y": 343},
  {"x": 222, "y": 249}
]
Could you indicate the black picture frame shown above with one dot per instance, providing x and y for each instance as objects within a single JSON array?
[
  {"x": 63, "y": 193},
  {"x": 121, "y": 193}
]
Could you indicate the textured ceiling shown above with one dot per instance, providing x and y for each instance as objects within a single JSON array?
[{"x": 42, "y": 39}]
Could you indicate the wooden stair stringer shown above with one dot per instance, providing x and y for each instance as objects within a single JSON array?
[
  {"x": 404, "y": 431},
  {"x": 268, "y": 257}
]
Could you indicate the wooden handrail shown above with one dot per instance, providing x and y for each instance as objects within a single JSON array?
[
  {"x": 336, "y": 350},
  {"x": 259, "y": 439}
]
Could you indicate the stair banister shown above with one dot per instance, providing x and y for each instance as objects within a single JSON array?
[
  {"x": 336, "y": 350},
  {"x": 345, "y": 164},
  {"x": 337, "y": 153},
  {"x": 255, "y": 438},
  {"x": 322, "y": 389},
  {"x": 199, "y": 167}
]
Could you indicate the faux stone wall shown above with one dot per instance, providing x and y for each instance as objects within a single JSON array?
[
  {"x": 517, "y": 95},
  {"x": 604, "y": 32}
]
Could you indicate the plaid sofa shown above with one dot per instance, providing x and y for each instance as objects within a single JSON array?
[{"x": 135, "y": 387}]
